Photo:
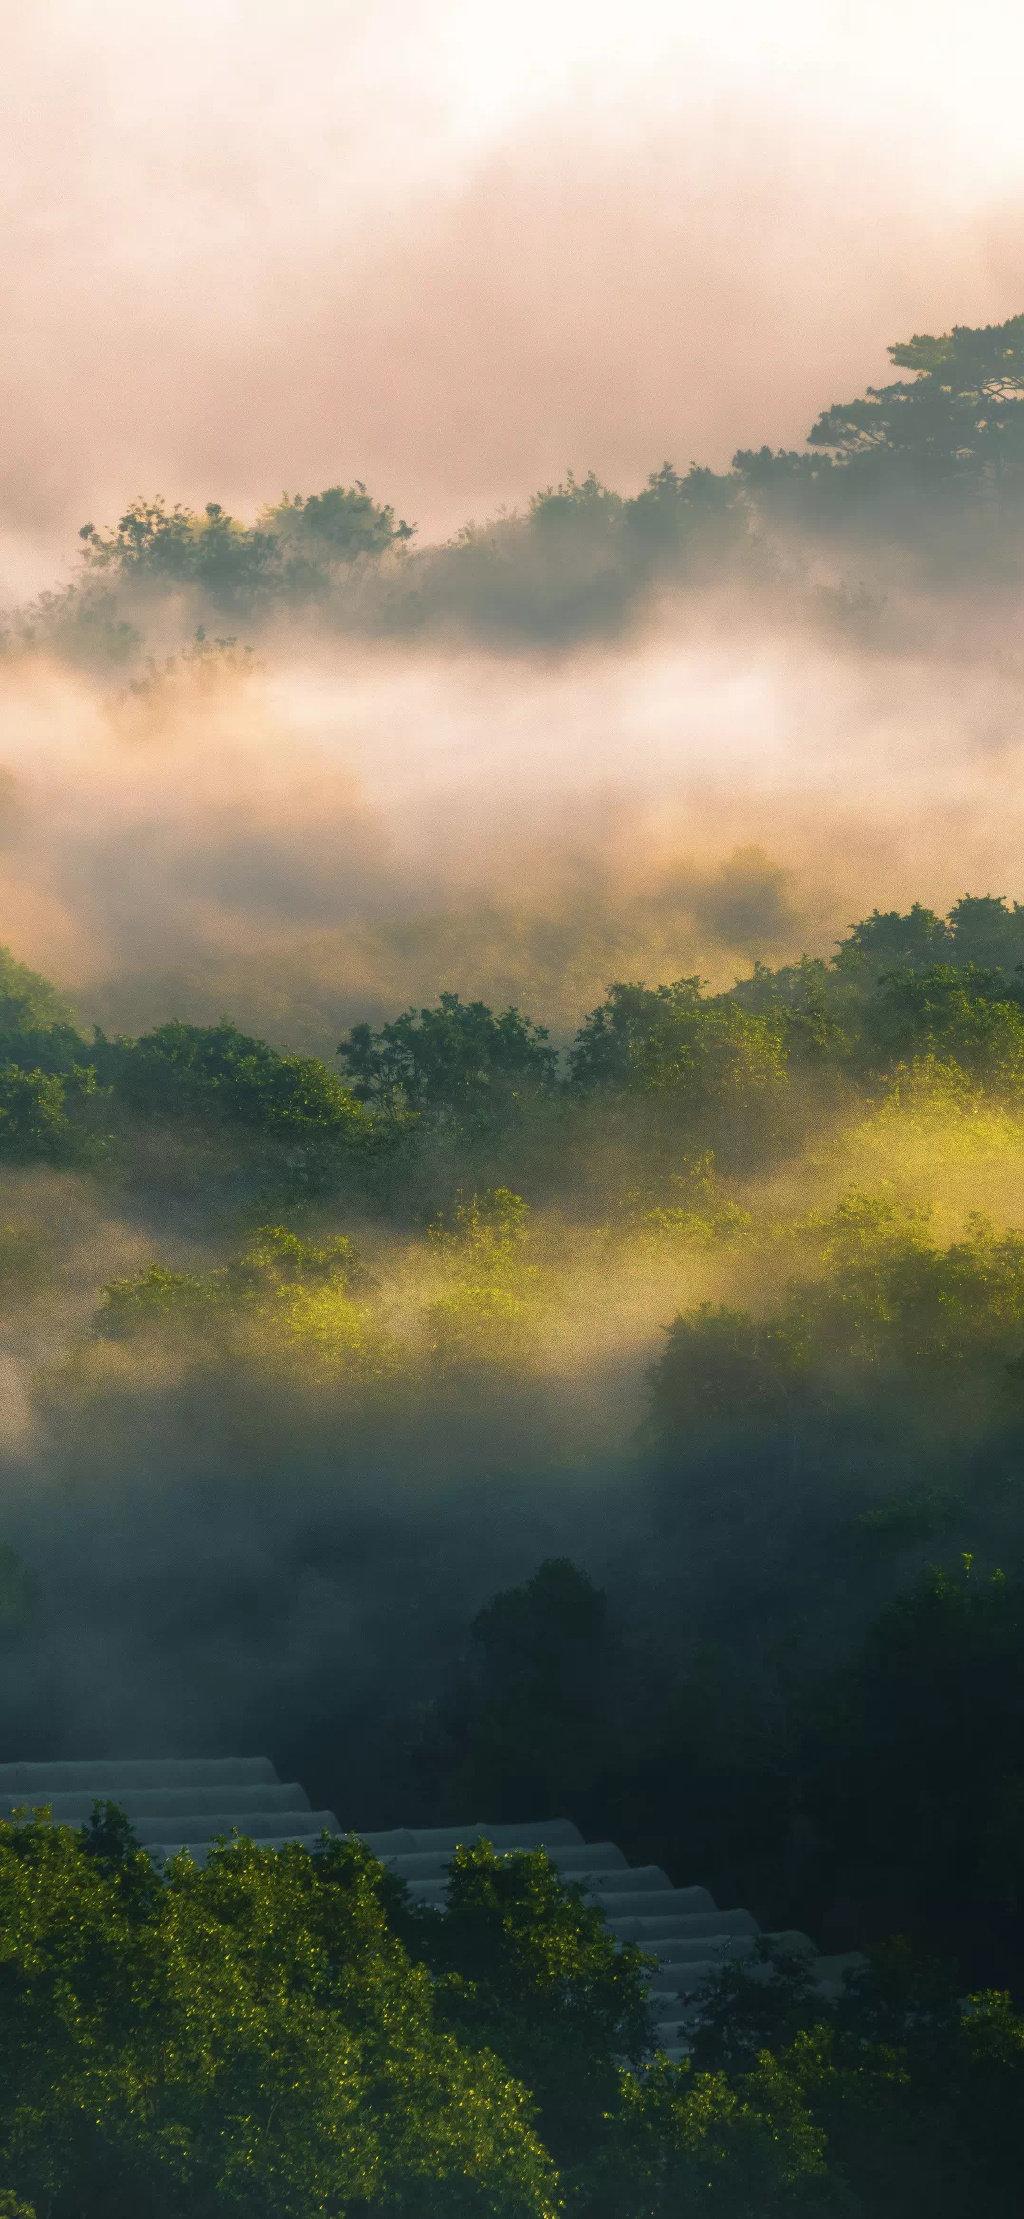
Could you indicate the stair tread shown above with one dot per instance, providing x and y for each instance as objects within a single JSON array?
[
  {"x": 68, "y": 1805},
  {"x": 199, "y": 1847},
  {"x": 685, "y": 1925},
  {"x": 257, "y": 1825},
  {"x": 656, "y": 1903},
  {"x": 103, "y": 1775},
  {"x": 177, "y": 1803}
]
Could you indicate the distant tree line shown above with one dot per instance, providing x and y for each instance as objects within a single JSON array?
[
  {"x": 929, "y": 467},
  {"x": 655, "y": 1075}
]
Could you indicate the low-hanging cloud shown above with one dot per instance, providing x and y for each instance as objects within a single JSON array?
[
  {"x": 305, "y": 841},
  {"x": 319, "y": 251}
]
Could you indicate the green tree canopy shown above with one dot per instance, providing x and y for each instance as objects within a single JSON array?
[
  {"x": 37, "y": 1025},
  {"x": 959, "y": 1015},
  {"x": 216, "y": 1072},
  {"x": 889, "y": 941},
  {"x": 39, "y": 1121},
  {"x": 262, "y": 1281},
  {"x": 948, "y": 439},
  {"x": 527, "y": 1969},
  {"x": 339, "y": 524},
  {"x": 675, "y": 1064},
  {"x": 959, "y": 412},
  {"x": 294, "y": 550},
  {"x": 28, "y": 1002},
  {"x": 250, "y": 2038},
  {"x": 457, "y": 1058}
]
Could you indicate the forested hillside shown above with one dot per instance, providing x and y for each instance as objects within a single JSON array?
[
  {"x": 493, "y": 1383},
  {"x": 697, "y": 1346}
]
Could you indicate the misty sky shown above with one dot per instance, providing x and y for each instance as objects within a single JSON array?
[{"x": 452, "y": 247}]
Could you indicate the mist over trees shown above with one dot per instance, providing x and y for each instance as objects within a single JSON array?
[
  {"x": 920, "y": 480},
  {"x": 608, "y": 1404},
  {"x": 664, "y": 1390}
]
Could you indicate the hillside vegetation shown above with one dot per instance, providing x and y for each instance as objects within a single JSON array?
[
  {"x": 698, "y": 1345},
  {"x": 282, "y": 2033}
]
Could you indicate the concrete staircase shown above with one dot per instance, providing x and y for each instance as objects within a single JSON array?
[{"x": 181, "y": 1803}]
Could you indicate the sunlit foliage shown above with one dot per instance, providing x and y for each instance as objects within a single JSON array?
[{"x": 715, "y": 1315}]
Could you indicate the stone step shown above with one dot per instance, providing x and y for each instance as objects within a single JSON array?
[
  {"x": 70, "y": 1808},
  {"x": 668, "y": 1930},
  {"x": 691, "y": 1976},
  {"x": 441, "y": 1842},
  {"x": 200, "y": 1849},
  {"x": 187, "y": 1802},
  {"x": 722, "y": 1949},
  {"x": 422, "y": 1867},
  {"x": 434, "y": 1887},
  {"x": 687, "y": 1971},
  {"x": 257, "y": 1825},
  {"x": 791, "y": 1939},
  {"x": 644, "y": 1904},
  {"x": 686, "y": 1978},
  {"x": 615, "y": 1903},
  {"x": 576, "y": 1862},
  {"x": 428, "y": 1894},
  {"x": 668, "y": 1944},
  {"x": 552, "y": 1834},
  {"x": 396, "y": 1842},
  {"x": 104, "y": 1776},
  {"x": 630, "y": 1914},
  {"x": 634, "y": 1879},
  {"x": 830, "y": 1972}
]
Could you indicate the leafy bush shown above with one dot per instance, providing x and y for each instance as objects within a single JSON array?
[{"x": 248, "y": 2038}]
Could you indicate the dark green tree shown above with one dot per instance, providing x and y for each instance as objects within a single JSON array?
[
  {"x": 457, "y": 1059},
  {"x": 530, "y": 1723},
  {"x": 250, "y": 2038},
  {"x": 41, "y": 1114},
  {"x": 216, "y": 1073},
  {"x": 527, "y": 1969},
  {"x": 959, "y": 413}
]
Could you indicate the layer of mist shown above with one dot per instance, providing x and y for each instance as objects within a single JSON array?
[
  {"x": 313, "y": 840},
  {"x": 295, "y": 1378}
]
